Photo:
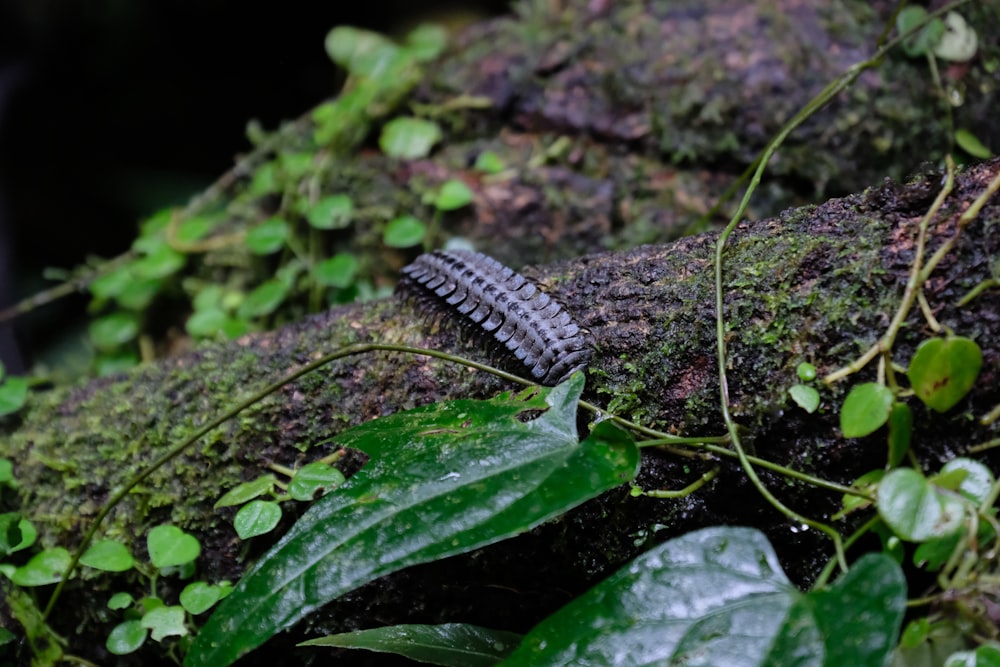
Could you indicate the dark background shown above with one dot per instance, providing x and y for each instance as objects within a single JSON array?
[{"x": 111, "y": 109}]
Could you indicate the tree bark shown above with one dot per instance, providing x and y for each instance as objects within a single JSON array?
[{"x": 817, "y": 284}]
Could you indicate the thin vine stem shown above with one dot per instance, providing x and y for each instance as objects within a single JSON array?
[
  {"x": 177, "y": 449},
  {"x": 913, "y": 286},
  {"x": 822, "y": 99}
]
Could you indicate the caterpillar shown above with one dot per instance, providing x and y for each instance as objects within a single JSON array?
[{"x": 533, "y": 327}]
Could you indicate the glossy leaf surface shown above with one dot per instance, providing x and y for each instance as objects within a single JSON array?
[
  {"x": 718, "y": 597},
  {"x": 442, "y": 480},
  {"x": 943, "y": 370}
]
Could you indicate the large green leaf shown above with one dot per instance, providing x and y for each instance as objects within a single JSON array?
[
  {"x": 442, "y": 479},
  {"x": 718, "y": 597}
]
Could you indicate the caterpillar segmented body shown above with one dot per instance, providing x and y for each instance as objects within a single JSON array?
[{"x": 499, "y": 301}]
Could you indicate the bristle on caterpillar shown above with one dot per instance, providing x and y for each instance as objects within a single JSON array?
[{"x": 496, "y": 300}]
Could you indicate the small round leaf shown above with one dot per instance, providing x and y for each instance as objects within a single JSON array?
[
  {"x": 943, "y": 370},
  {"x": 267, "y": 237},
  {"x": 426, "y": 41},
  {"x": 959, "y": 42},
  {"x": 114, "y": 330},
  {"x": 45, "y": 567},
  {"x": 160, "y": 262},
  {"x": 977, "y": 480},
  {"x": 806, "y": 371},
  {"x": 198, "y": 597},
  {"x": 314, "y": 477},
  {"x": 454, "y": 194},
  {"x": 109, "y": 556},
  {"x": 120, "y": 601},
  {"x": 865, "y": 410},
  {"x": 915, "y": 509},
  {"x": 256, "y": 518},
  {"x": 338, "y": 271},
  {"x": 409, "y": 138},
  {"x": 489, "y": 162},
  {"x": 13, "y": 395},
  {"x": 126, "y": 638},
  {"x": 206, "y": 323},
  {"x": 805, "y": 397},
  {"x": 165, "y": 622},
  {"x": 263, "y": 300},
  {"x": 404, "y": 231},
  {"x": 169, "y": 545},
  {"x": 333, "y": 212}
]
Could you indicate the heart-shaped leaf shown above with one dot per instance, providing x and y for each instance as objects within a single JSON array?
[{"x": 943, "y": 370}]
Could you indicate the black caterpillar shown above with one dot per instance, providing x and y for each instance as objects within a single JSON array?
[{"x": 536, "y": 329}]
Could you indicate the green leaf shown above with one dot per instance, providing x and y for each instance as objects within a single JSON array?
[
  {"x": 868, "y": 483},
  {"x": 109, "y": 363},
  {"x": 161, "y": 261},
  {"x": 126, "y": 638},
  {"x": 361, "y": 52},
  {"x": 247, "y": 491},
  {"x": 45, "y": 567},
  {"x": 109, "y": 556},
  {"x": 922, "y": 41},
  {"x": 296, "y": 166},
  {"x": 976, "y": 482},
  {"x": 198, "y": 597},
  {"x": 865, "y": 410},
  {"x": 449, "y": 644},
  {"x": 6, "y": 636},
  {"x": 338, "y": 271},
  {"x": 718, "y": 597},
  {"x": 169, "y": 546},
  {"x": 453, "y": 194},
  {"x": 443, "y": 479},
  {"x": 987, "y": 655},
  {"x": 971, "y": 144},
  {"x": 139, "y": 293},
  {"x": 409, "y": 138},
  {"x": 256, "y": 518},
  {"x": 806, "y": 371},
  {"x": 805, "y": 397},
  {"x": 264, "y": 180},
  {"x": 900, "y": 431},
  {"x": 194, "y": 228},
  {"x": 110, "y": 284},
  {"x": 859, "y": 617},
  {"x": 959, "y": 41},
  {"x": 13, "y": 394},
  {"x": 943, "y": 370},
  {"x": 333, "y": 212},
  {"x": 120, "y": 601},
  {"x": 426, "y": 41},
  {"x": 267, "y": 237},
  {"x": 11, "y": 535},
  {"x": 489, "y": 162},
  {"x": 915, "y": 509},
  {"x": 207, "y": 322},
  {"x": 404, "y": 231},
  {"x": 312, "y": 478},
  {"x": 165, "y": 622},
  {"x": 263, "y": 300},
  {"x": 7, "y": 472},
  {"x": 114, "y": 330}
]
